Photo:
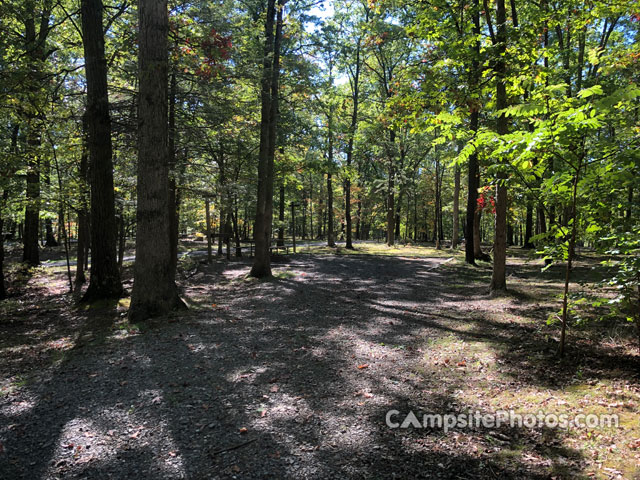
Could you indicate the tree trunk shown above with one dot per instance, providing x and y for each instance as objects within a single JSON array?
[
  {"x": 104, "y": 280},
  {"x": 330, "y": 220},
  {"x": 436, "y": 211},
  {"x": 391, "y": 191},
  {"x": 472, "y": 245},
  {"x": 330, "y": 234},
  {"x": 3, "y": 292},
  {"x": 498, "y": 277},
  {"x": 154, "y": 288},
  {"x": 398, "y": 214},
  {"x": 311, "y": 206},
  {"x": 174, "y": 219},
  {"x": 269, "y": 114},
  {"x": 528, "y": 229},
  {"x": 34, "y": 47},
  {"x": 281, "y": 216},
  {"x": 122, "y": 227},
  {"x": 207, "y": 212},
  {"x": 456, "y": 208},
  {"x": 359, "y": 220},
  {"x": 355, "y": 96},
  {"x": 567, "y": 277},
  {"x": 236, "y": 230},
  {"x": 31, "y": 251},
  {"x": 49, "y": 237}
]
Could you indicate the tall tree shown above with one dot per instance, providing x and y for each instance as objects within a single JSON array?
[
  {"x": 268, "y": 127},
  {"x": 104, "y": 281},
  {"x": 154, "y": 288},
  {"x": 472, "y": 243},
  {"x": 353, "y": 71},
  {"x": 36, "y": 52},
  {"x": 498, "y": 277}
]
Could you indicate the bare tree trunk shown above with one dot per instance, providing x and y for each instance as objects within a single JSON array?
[
  {"x": 567, "y": 277},
  {"x": 49, "y": 237},
  {"x": 436, "y": 210},
  {"x": 281, "y": 215},
  {"x": 456, "y": 208},
  {"x": 311, "y": 206},
  {"x": 472, "y": 241},
  {"x": 31, "y": 251},
  {"x": 528, "y": 229},
  {"x": 330, "y": 240},
  {"x": 174, "y": 219},
  {"x": 498, "y": 277},
  {"x": 154, "y": 288},
  {"x": 3, "y": 202},
  {"x": 359, "y": 219},
  {"x": 355, "y": 96},
  {"x": 104, "y": 281},
  {"x": 391, "y": 191},
  {"x": 236, "y": 230},
  {"x": 121, "y": 238},
  {"x": 3, "y": 292},
  {"x": 207, "y": 211},
  {"x": 268, "y": 124}
]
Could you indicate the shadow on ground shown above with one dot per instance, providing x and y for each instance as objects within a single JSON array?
[{"x": 288, "y": 378}]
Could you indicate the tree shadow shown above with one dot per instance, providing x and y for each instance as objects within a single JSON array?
[{"x": 303, "y": 366}]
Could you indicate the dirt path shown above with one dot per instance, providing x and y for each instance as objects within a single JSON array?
[{"x": 289, "y": 378}]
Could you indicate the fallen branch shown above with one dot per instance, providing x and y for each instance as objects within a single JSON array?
[{"x": 234, "y": 447}]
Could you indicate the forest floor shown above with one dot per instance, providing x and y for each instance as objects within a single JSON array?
[{"x": 293, "y": 377}]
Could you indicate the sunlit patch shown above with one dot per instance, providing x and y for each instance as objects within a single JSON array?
[
  {"x": 79, "y": 444},
  {"x": 85, "y": 443},
  {"x": 15, "y": 409},
  {"x": 64, "y": 343}
]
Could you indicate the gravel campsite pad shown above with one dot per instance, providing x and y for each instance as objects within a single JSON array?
[{"x": 293, "y": 378}]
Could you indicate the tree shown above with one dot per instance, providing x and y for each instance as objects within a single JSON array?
[
  {"x": 498, "y": 277},
  {"x": 268, "y": 127},
  {"x": 154, "y": 288},
  {"x": 36, "y": 53},
  {"x": 104, "y": 281}
]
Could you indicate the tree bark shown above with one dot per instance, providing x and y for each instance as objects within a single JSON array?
[
  {"x": 330, "y": 233},
  {"x": 104, "y": 280},
  {"x": 3, "y": 292},
  {"x": 355, "y": 97},
  {"x": 174, "y": 218},
  {"x": 154, "y": 288},
  {"x": 456, "y": 207},
  {"x": 391, "y": 191},
  {"x": 268, "y": 125},
  {"x": 31, "y": 251},
  {"x": 281, "y": 215},
  {"x": 498, "y": 277},
  {"x": 49, "y": 237},
  {"x": 471, "y": 241},
  {"x": 528, "y": 229}
]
